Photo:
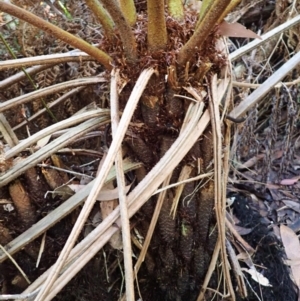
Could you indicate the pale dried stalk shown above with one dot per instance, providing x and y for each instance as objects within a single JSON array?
[
  {"x": 80, "y": 262},
  {"x": 218, "y": 95},
  {"x": 269, "y": 35},
  {"x": 261, "y": 91},
  {"x": 127, "y": 114},
  {"x": 152, "y": 225},
  {"x": 7, "y": 132},
  {"x": 50, "y": 90},
  {"x": 51, "y": 59},
  {"x": 127, "y": 251},
  {"x": 210, "y": 270},
  {"x": 140, "y": 194},
  {"x": 11, "y": 80},
  {"x": 254, "y": 86},
  {"x": 199, "y": 177},
  {"x": 57, "y": 214},
  {"x": 50, "y": 105},
  {"x": 19, "y": 296},
  {"x": 54, "y": 128},
  {"x": 219, "y": 196},
  {"x": 49, "y": 149},
  {"x": 226, "y": 168},
  {"x": 238, "y": 237},
  {"x": 237, "y": 270},
  {"x": 184, "y": 174},
  {"x": 15, "y": 264}
]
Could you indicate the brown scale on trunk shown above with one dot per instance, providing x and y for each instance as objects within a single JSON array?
[
  {"x": 23, "y": 204},
  {"x": 52, "y": 177},
  {"x": 166, "y": 223},
  {"x": 150, "y": 110},
  {"x": 36, "y": 185},
  {"x": 151, "y": 102},
  {"x": 205, "y": 213},
  {"x": 186, "y": 241},
  {"x": 206, "y": 194},
  {"x": 141, "y": 150},
  {"x": 5, "y": 236},
  {"x": 213, "y": 236},
  {"x": 189, "y": 203},
  {"x": 165, "y": 144},
  {"x": 200, "y": 262},
  {"x": 195, "y": 152},
  {"x": 148, "y": 208},
  {"x": 183, "y": 282},
  {"x": 43, "y": 120},
  {"x": 59, "y": 163},
  {"x": 168, "y": 258},
  {"x": 150, "y": 263},
  {"x": 174, "y": 105}
]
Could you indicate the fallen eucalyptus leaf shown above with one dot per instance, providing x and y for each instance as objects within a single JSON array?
[{"x": 236, "y": 30}]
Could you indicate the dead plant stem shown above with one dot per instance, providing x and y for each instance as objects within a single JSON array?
[
  {"x": 199, "y": 177},
  {"x": 49, "y": 90},
  {"x": 266, "y": 37},
  {"x": 50, "y": 105},
  {"x": 9, "y": 81},
  {"x": 68, "y": 38},
  {"x": 210, "y": 270},
  {"x": 15, "y": 264},
  {"x": 152, "y": 225},
  {"x": 127, "y": 250},
  {"x": 261, "y": 91},
  {"x": 50, "y": 59},
  {"x": 127, "y": 114},
  {"x": 136, "y": 198},
  {"x": 219, "y": 196}
]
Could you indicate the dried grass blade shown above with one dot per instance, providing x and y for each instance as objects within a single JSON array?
[{"x": 184, "y": 174}]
